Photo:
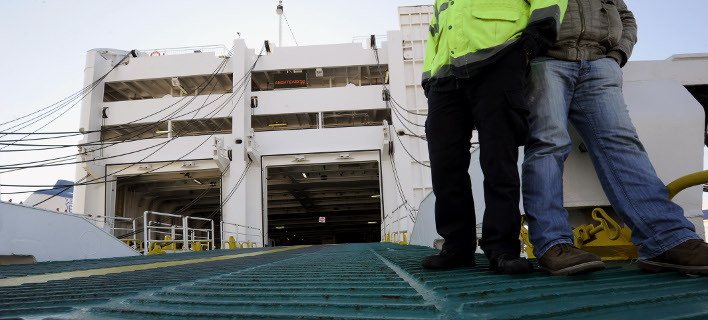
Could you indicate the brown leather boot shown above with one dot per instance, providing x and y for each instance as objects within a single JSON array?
[
  {"x": 690, "y": 257},
  {"x": 566, "y": 259}
]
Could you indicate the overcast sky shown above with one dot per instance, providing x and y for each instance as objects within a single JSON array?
[{"x": 44, "y": 44}]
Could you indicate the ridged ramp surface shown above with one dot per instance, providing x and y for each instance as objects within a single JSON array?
[{"x": 353, "y": 281}]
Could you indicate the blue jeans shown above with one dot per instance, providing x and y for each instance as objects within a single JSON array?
[{"x": 589, "y": 94}]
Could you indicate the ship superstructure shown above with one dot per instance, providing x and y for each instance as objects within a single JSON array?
[{"x": 291, "y": 145}]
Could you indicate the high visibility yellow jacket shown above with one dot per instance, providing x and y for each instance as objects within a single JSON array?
[{"x": 466, "y": 35}]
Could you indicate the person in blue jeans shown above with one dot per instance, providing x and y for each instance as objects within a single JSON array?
[{"x": 580, "y": 79}]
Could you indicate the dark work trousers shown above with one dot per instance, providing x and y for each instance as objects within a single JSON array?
[{"x": 493, "y": 101}]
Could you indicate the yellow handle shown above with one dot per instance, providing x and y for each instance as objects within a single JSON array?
[
  {"x": 684, "y": 182},
  {"x": 611, "y": 234}
]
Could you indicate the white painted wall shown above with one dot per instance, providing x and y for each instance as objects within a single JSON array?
[
  {"x": 332, "y": 55},
  {"x": 316, "y": 100},
  {"x": 687, "y": 69},
  {"x": 203, "y": 147},
  {"x": 406, "y": 56},
  {"x": 320, "y": 140},
  {"x": 121, "y": 112},
  {"x": 54, "y": 236},
  {"x": 167, "y": 66},
  {"x": 91, "y": 198}
]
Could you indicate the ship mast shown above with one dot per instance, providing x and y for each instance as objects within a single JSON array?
[{"x": 279, "y": 11}]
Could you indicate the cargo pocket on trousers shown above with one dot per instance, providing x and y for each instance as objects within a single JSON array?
[{"x": 518, "y": 115}]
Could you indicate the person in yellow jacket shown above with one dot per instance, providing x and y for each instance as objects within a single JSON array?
[{"x": 474, "y": 77}]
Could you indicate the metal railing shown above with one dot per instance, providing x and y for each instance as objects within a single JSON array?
[
  {"x": 195, "y": 237},
  {"x": 153, "y": 227},
  {"x": 218, "y": 50},
  {"x": 109, "y": 223},
  {"x": 400, "y": 237},
  {"x": 112, "y": 221},
  {"x": 236, "y": 243},
  {"x": 190, "y": 238}
]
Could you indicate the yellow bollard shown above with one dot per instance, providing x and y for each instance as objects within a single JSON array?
[
  {"x": 610, "y": 243},
  {"x": 155, "y": 249},
  {"x": 232, "y": 242},
  {"x": 524, "y": 237},
  {"x": 405, "y": 241},
  {"x": 171, "y": 246},
  {"x": 614, "y": 243}
]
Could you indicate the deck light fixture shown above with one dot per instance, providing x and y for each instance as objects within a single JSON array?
[
  {"x": 376, "y": 196},
  {"x": 304, "y": 175},
  {"x": 372, "y": 222},
  {"x": 197, "y": 181},
  {"x": 280, "y": 227},
  {"x": 278, "y": 124}
]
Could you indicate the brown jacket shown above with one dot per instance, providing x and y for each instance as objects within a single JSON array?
[{"x": 595, "y": 29}]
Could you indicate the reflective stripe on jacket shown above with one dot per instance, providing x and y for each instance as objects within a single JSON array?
[{"x": 465, "y": 35}]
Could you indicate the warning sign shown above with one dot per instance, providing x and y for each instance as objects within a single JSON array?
[{"x": 322, "y": 219}]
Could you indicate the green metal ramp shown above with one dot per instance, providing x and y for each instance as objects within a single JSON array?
[{"x": 354, "y": 281}]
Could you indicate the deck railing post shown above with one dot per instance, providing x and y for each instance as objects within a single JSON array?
[
  {"x": 185, "y": 240},
  {"x": 213, "y": 238},
  {"x": 146, "y": 230},
  {"x": 221, "y": 231}
]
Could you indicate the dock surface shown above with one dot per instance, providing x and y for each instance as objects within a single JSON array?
[{"x": 350, "y": 281}]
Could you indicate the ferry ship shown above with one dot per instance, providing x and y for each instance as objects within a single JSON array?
[{"x": 298, "y": 180}]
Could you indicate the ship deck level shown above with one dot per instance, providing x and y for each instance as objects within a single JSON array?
[{"x": 350, "y": 281}]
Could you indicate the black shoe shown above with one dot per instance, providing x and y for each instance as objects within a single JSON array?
[
  {"x": 566, "y": 259},
  {"x": 510, "y": 264},
  {"x": 690, "y": 257},
  {"x": 448, "y": 260}
]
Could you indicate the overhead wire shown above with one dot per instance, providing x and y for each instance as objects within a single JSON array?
[
  {"x": 378, "y": 62},
  {"x": 108, "y": 157},
  {"x": 399, "y": 186},
  {"x": 209, "y": 79},
  {"x": 135, "y": 151},
  {"x": 388, "y": 97},
  {"x": 221, "y": 202},
  {"x": 149, "y": 127},
  {"x": 83, "y": 94},
  {"x": 291, "y": 30},
  {"x": 242, "y": 84},
  {"x": 231, "y": 193},
  {"x": 70, "y": 97},
  {"x": 140, "y": 174}
]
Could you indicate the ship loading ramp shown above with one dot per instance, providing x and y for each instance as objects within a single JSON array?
[{"x": 350, "y": 281}]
